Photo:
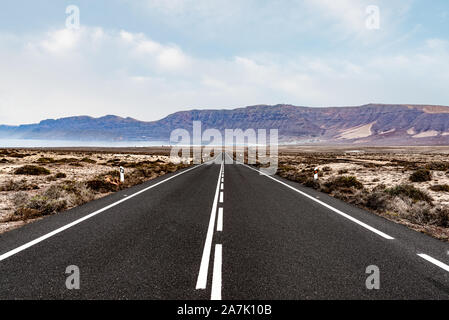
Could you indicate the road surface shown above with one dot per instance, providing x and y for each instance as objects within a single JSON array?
[{"x": 221, "y": 231}]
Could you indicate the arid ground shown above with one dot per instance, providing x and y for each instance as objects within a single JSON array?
[
  {"x": 39, "y": 182},
  {"x": 408, "y": 185}
]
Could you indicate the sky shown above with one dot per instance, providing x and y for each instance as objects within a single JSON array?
[{"x": 149, "y": 58}]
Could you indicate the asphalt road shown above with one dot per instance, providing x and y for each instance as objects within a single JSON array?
[{"x": 196, "y": 235}]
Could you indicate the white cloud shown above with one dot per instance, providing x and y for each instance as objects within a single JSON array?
[
  {"x": 97, "y": 72},
  {"x": 166, "y": 57},
  {"x": 348, "y": 13},
  {"x": 267, "y": 21},
  {"x": 61, "y": 40}
]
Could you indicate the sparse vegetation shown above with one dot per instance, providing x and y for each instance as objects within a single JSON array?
[
  {"x": 32, "y": 170},
  {"x": 421, "y": 175},
  {"x": 78, "y": 178},
  {"x": 60, "y": 175},
  {"x": 381, "y": 183},
  {"x": 101, "y": 185},
  {"x": 438, "y": 166},
  {"x": 440, "y": 188},
  {"x": 88, "y": 160},
  {"x": 45, "y": 160},
  {"x": 18, "y": 185},
  {"x": 411, "y": 192},
  {"x": 344, "y": 182}
]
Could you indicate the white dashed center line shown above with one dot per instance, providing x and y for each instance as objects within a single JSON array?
[
  {"x": 216, "y": 276},
  {"x": 220, "y": 220},
  {"x": 204, "y": 267}
]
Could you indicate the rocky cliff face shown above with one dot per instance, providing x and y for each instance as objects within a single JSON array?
[{"x": 368, "y": 124}]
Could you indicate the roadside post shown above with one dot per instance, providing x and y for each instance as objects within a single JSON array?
[
  {"x": 315, "y": 174},
  {"x": 122, "y": 174}
]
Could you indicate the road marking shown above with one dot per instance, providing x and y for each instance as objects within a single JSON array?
[
  {"x": 74, "y": 223},
  {"x": 221, "y": 188},
  {"x": 216, "y": 276},
  {"x": 347, "y": 216},
  {"x": 220, "y": 220},
  {"x": 434, "y": 261},
  {"x": 221, "y": 197},
  {"x": 201, "y": 282}
]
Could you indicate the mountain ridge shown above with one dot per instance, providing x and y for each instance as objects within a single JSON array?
[{"x": 380, "y": 124}]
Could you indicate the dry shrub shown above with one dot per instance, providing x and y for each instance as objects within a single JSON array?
[
  {"x": 78, "y": 193},
  {"x": 408, "y": 165},
  {"x": 441, "y": 216},
  {"x": 43, "y": 160},
  {"x": 32, "y": 170},
  {"x": 409, "y": 191},
  {"x": 421, "y": 175},
  {"x": 60, "y": 175},
  {"x": 440, "y": 188},
  {"x": 24, "y": 214},
  {"x": 20, "y": 199},
  {"x": 82, "y": 195},
  {"x": 51, "y": 178},
  {"x": 76, "y": 164},
  {"x": 101, "y": 185},
  {"x": 377, "y": 200},
  {"x": 437, "y": 166},
  {"x": 67, "y": 160},
  {"x": 20, "y": 185},
  {"x": 18, "y": 155},
  {"x": 48, "y": 202},
  {"x": 422, "y": 213},
  {"x": 88, "y": 160},
  {"x": 343, "y": 182},
  {"x": 54, "y": 192},
  {"x": 312, "y": 183},
  {"x": 45, "y": 205},
  {"x": 13, "y": 153},
  {"x": 290, "y": 172}
]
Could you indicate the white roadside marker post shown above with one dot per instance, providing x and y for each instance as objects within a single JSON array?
[
  {"x": 122, "y": 174},
  {"x": 315, "y": 174}
]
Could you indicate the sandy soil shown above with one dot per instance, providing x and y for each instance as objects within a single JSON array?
[
  {"x": 377, "y": 167},
  {"x": 99, "y": 162}
]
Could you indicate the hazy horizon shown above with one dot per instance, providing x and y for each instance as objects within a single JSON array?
[
  {"x": 218, "y": 109},
  {"x": 149, "y": 58}
]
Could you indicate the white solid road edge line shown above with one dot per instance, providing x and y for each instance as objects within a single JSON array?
[
  {"x": 220, "y": 220},
  {"x": 216, "y": 275},
  {"x": 347, "y": 216},
  {"x": 434, "y": 261},
  {"x": 67, "y": 226},
  {"x": 201, "y": 282}
]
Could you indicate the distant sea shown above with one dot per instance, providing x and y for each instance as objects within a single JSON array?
[{"x": 31, "y": 143}]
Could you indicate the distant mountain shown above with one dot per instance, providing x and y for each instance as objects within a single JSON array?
[{"x": 371, "y": 124}]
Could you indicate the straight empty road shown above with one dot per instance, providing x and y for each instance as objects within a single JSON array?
[{"x": 221, "y": 231}]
